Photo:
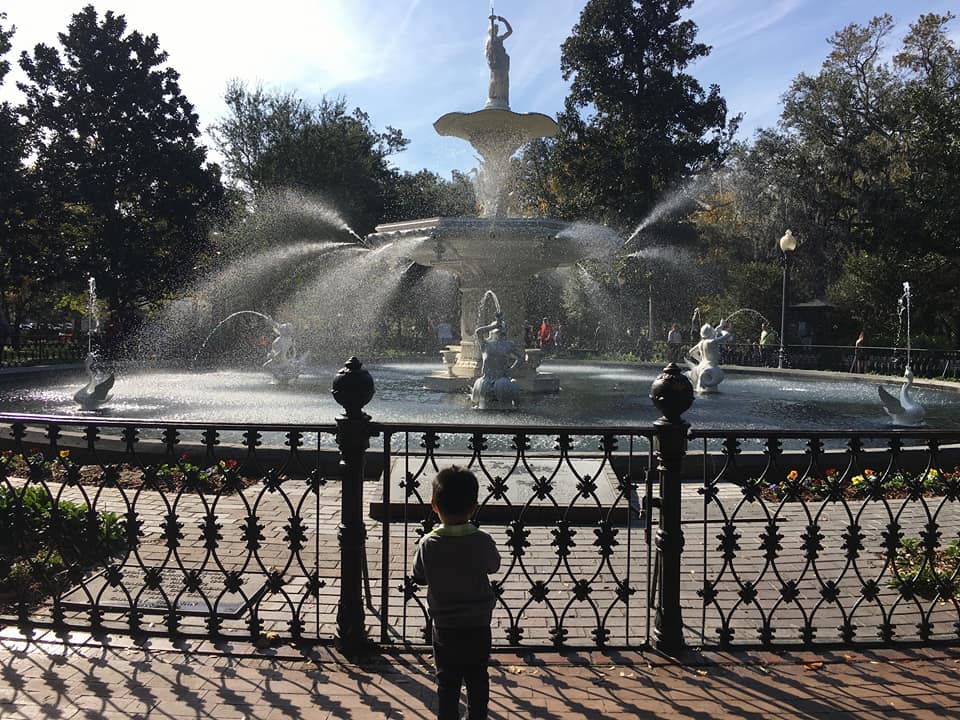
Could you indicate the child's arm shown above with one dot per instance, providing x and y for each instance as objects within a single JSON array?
[
  {"x": 491, "y": 559},
  {"x": 419, "y": 576}
]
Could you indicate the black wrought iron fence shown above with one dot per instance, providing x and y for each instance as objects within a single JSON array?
[
  {"x": 40, "y": 350},
  {"x": 833, "y": 537},
  {"x": 181, "y": 529},
  {"x": 618, "y": 537},
  {"x": 564, "y": 506}
]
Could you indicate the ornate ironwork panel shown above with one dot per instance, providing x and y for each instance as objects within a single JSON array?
[
  {"x": 181, "y": 529},
  {"x": 565, "y": 509},
  {"x": 840, "y": 538}
]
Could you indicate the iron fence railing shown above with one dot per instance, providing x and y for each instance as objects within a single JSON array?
[
  {"x": 831, "y": 537},
  {"x": 614, "y": 536},
  {"x": 925, "y": 362},
  {"x": 564, "y": 506},
  {"x": 41, "y": 350}
]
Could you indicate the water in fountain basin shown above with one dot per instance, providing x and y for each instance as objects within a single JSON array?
[{"x": 611, "y": 394}]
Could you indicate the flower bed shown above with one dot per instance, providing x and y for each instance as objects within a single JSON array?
[
  {"x": 222, "y": 477},
  {"x": 866, "y": 485},
  {"x": 47, "y": 545}
]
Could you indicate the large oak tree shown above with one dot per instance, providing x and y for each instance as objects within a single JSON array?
[
  {"x": 116, "y": 150},
  {"x": 636, "y": 123}
]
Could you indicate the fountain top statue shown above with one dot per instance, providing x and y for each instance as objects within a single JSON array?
[
  {"x": 499, "y": 94},
  {"x": 496, "y": 132}
]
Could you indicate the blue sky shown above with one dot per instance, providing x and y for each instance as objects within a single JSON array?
[{"x": 406, "y": 62}]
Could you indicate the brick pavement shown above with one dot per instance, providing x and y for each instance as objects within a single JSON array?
[{"x": 82, "y": 677}]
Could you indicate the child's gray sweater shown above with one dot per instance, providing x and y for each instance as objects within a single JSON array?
[{"x": 454, "y": 561}]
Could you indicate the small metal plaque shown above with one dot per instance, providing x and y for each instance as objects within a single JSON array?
[{"x": 97, "y": 591}]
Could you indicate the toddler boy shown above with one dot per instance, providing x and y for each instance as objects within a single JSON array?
[{"x": 453, "y": 561}]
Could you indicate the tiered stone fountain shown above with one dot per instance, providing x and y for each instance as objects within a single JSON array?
[{"x": 494, "y": 252}]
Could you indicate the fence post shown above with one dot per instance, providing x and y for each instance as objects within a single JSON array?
[
  {"x": 352, "y": 388},
  {"x": 672, "y": 394}
]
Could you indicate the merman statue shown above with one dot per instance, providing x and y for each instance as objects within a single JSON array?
[
  {"x": 500, "y": 356},
  {"x": 704, "y": 359},
  {"x": 282, "y": 360}
]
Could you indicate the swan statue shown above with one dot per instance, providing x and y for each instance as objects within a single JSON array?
[
  {"x": 904, "y": 411},
  {"x": 97, "y": 390}
]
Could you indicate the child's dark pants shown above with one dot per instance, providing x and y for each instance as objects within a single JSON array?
[{"x": 461, "y": 655}]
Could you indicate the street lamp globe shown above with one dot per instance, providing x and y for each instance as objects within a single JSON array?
[{"x": 788, "y": 243}]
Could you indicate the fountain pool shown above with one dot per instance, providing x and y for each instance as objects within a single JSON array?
[{"x": 602, "y": 394}]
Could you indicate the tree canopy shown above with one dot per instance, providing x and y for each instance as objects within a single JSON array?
[
  {"x": 864, "y": 166},
  {"x": 116, "y": 151},
  {"x": 636, "y": 123}
]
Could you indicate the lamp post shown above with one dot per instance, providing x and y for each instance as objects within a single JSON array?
[
  {"x": 788, "y": 243},
  {"x": 621, "y": 281}
]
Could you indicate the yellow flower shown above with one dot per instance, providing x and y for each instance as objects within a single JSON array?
[
  {"x": 64, "y": 454},
  {"x": 792, "y": 475},
  {"x": 858, "y": 480}
]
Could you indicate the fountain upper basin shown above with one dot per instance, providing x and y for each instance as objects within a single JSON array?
[{"x": 497, "y": 248}]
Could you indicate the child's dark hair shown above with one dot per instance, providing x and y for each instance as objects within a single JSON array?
[{"x": 455, "y": 490}]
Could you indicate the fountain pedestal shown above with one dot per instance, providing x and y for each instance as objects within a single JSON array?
[{"x": 498, "y": 254}]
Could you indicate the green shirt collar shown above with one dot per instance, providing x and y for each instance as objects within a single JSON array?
[{"x": 454, "y": 530}]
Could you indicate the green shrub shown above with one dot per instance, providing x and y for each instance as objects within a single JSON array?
[
  {"x": 41, "y": 538},
  {"x": 924, "y": 575}
]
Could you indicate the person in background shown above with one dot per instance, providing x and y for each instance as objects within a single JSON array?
[
  {"x": 857, "y": 364},
  {"x": 768, "y": 344},
  {"x": 674, "y": 343},
  {"x": 444, "y": 333},
  {"x": 545, "y": 336},
  {"x": 454, "y": 561}
]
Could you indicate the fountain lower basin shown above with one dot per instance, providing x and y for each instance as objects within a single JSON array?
[{"x": 593, "y": 393}]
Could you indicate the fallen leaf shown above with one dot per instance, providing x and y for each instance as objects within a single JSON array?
[
  {"x": 762, "y": 669},
  {"x": 848, "y": 658},
  {"x": 701, "y": 672},
  {"x": 515, "y": 669},
  {"x": 267, "y": 639},
  {"x": 813, "y": 665},
  {"x": 626, "y": 674}
]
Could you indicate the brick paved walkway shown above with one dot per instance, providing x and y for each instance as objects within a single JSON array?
[{"x": 80, "y": 677}]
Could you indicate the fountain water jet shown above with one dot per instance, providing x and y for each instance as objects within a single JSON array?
[
  {"x": 903, "y": 410},
  {"x": 97, "y": 390}
]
